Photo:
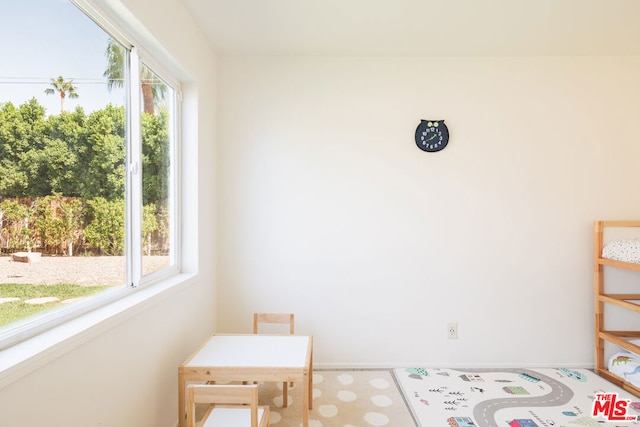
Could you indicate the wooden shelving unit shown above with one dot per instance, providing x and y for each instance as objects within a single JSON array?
[{"x": 631, "y": 302}]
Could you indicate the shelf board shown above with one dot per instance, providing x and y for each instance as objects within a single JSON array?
[
  {"x": 617, "y": 338},
  {"x": 622, "y": 300},
  {"x": 619, "y": 381},
  {"x": 621, "y": 339},
  {"x": 618, "y": 264}
]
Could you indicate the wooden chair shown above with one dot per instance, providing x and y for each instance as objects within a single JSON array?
[
  {"x": 230, "y": 405},
  {"x": 276, "y": 318},
  {"x": 281, "y": 318}
]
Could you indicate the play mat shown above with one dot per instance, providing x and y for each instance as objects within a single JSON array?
[{"x": 513, "y": 397}]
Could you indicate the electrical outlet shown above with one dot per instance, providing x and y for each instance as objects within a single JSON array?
[{"x": 452, "y": 330}]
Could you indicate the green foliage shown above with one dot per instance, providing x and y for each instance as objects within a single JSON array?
[
  {"x": 65, "y": 142},
  {"x": 63, "y": 87},
  {"x": 21, "y": 139},
  {"x": 58, "y": 223},
  {"x": 149, "y": 225},
  {"x": 15, "y": 230},
  {"x": 153, "y": 89},
  {"x": 16, "y": 310},
  {"x": 105, "y": 232},
  {"x": 114, "y": 73},
  {"x": 155, "y": 157},
  {"x": 104, "y": 155},
  {"x": 53, "y": 159},
  {"x": 70, "y": 154},
  {"x": 14, "y": 212}
]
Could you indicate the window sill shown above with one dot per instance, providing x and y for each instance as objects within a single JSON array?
[{"x": 26, "y": 356}]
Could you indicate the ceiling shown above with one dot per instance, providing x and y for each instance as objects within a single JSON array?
[{"x": 420, "y": 27}]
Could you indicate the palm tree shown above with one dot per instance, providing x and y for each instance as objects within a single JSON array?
[
  {"x": 115, "y": 65},
  {"x": 64, "y": 87},
  {"x": 153, "y": 90}
]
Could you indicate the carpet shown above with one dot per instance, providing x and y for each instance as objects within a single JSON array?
[
  {"x": 514, "y": 397},
  {"x": 341, "y": 398}
]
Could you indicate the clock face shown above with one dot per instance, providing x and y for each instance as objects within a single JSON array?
[{"x": 432, "y": 135}]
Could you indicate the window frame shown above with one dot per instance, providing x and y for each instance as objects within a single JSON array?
[{"x": 138, "y": 287}]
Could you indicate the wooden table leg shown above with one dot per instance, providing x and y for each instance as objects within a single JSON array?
[
  {"x": 285, "y": 397},
  {"x": 306, "y": 399},
  {"x": 311, "y": 382},
  {"x": 181, "y": 404}
]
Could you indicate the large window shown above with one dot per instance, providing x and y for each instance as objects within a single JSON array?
[{"x": 88, "y": 155}]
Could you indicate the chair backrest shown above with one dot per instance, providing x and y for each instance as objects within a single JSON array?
[
  {"x": 282, "y": 318},
  {"x": 235, "y": 398}
]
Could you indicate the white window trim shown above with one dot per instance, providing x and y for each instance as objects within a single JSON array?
[
  {"x": 37, "y": 340},
  {"x": 134, "y": 176},
  {"x": 26, "y": 356}
]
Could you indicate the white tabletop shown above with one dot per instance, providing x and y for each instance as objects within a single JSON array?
[{"x": 252, "y": 351}]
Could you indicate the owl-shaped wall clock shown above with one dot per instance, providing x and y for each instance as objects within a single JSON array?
[{"x": 432, "y": 135}]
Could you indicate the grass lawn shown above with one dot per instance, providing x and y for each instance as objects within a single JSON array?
[{"x": 16, "y": 310}]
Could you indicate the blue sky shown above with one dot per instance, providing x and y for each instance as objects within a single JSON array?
[{"x": 44, "y": 39}]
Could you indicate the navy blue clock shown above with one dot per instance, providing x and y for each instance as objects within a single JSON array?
[{"x": 432, "y": 135}]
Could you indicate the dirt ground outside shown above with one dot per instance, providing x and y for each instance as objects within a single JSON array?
[{"x": 85, "y": 270}]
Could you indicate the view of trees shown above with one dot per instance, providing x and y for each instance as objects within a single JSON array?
[
  {"x": 64, "y": 88},
  {"x": 153, "y": 90},
  {"x": 62, "y": 186},
  {"x": 63, "y": 179},
  {"x": 76, "y": 113}
]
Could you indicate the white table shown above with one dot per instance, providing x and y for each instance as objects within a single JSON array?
[{"x": 277, "y": 358}]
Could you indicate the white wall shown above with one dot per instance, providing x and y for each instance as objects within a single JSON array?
[
  {"x": 328, "y": 209},
  {"x": 123, "y": 372}
]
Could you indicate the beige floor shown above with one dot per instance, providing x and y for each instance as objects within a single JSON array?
[{"x": 341, "y": 398}]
